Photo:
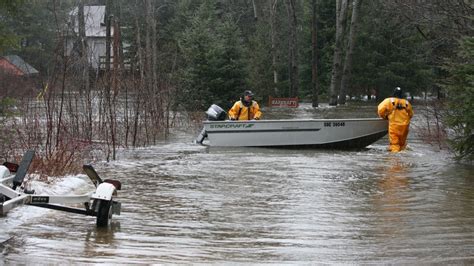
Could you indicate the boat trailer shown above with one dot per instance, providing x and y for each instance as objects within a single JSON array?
[{"x": 98, "y": 203}]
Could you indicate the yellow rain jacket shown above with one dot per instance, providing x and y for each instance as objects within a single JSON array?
[
  {"x": 399, "y": 113},
  {"x": 240, "y": 112}
]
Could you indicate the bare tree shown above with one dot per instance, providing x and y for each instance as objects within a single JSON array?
[
  {"x": 314, "y": 53},
  {"x": 83, "y": 47},
  {"x": 341, "y": 10},
  {"x": 439, "y": 22},
  {"x": 292, "y": 48},
  {"x": 254, "y": 5},
  {"x": 346, "y": 74},
  {"x": 273, "y": 33},
  {"x": 138, "y": 82},
  {"x": 148, "y": 65},
  {"x": 85, "y": 87},
  {"x": 110, "y": 101}
]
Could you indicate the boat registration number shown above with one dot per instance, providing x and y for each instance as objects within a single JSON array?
[
  {"x": 39, "y": 199},
  {"x": 334, "y": 124}
]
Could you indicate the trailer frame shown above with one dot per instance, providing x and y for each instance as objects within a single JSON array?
[{"x": 99, "y": 203}]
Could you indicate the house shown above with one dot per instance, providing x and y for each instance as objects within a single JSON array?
[
  {"x": 17, "y": 78},
  {"x": 15, "y": 66},
  {"x": 95, "y": 30}
]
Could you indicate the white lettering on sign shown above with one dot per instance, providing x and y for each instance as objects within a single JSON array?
[{"x": 283, "y": 102}]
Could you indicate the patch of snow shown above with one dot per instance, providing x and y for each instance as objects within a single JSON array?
[{"x": 23, "y": 214}]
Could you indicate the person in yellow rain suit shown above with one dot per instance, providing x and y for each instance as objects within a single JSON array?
[
  {"x": 245, "y": 109},
  {"x": 399, "y": 112}
]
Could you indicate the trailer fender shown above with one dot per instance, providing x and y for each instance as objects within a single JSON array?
[
  {"x": 4, "y": 172},
  {"x": 104, "y": 191}
]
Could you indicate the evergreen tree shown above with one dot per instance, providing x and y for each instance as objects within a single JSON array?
[
  {"x": 229, "y": 81},
  {"x": 389, "y": 54},
  {"x": 8, "y": 38},
  {"x": 33, "y": 34},
  {"x": 259, "y": 62},
  {"x": 460, "y": 89},
  {"x": 325, "y": 36},
  {"x": 211, "y": 52}
]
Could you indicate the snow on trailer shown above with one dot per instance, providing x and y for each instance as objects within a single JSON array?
[{"x": 98, "y": 203}]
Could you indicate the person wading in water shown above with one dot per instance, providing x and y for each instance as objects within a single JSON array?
[{"x": 399, "y": 112}]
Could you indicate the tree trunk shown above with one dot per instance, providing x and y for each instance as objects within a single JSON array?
[
  {"x": 148, "y": 68},
  {"x": 255, "y": 15},
  {"x": 273, "y": 15},
  {"x": 346, "y": 74},
  {"x": 122, "y": 80},
  {"x": 116, "y": 55},
  {"x": 83, "y": 53},
  {"x": 341, "y": 9},
  {"x": 292, "y": 48},
  {"x": 139, "y": 87},
  {"x": 107, "y": 83},
  {"x": 314, "y": 53},
  {"x": 115, "y": 85},
  {"x": 157, "y": 99},
  {"x": 84, "y": 88},
  {"x": 108, "y": 16}
]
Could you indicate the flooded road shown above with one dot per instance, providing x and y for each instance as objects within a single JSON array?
[{"x": 186, "y": 203}]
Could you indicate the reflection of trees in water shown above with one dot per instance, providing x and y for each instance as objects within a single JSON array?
[{"x": 8, "y": 245}]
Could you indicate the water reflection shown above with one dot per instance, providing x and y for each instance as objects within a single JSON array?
[
  {"x": 103, "y": 235},
  {"x": 393, "y": 193}
]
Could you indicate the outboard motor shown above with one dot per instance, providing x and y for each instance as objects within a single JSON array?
[
  {"x": 200, "y": 138},
  {"x": 216, "y": 113}
]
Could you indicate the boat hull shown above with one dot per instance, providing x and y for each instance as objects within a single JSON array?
[{"x": 314, "y": 133}]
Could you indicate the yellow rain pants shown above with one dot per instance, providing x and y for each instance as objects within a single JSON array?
[{"x": 399, "y": 113}]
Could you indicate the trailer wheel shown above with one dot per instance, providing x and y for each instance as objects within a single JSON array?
[{"x": 104, "y": 212}]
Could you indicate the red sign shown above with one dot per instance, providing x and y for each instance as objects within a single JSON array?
[{"x": 283, "y": 102}]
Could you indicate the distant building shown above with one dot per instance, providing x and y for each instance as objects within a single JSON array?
[
  {"x": 15, "y": 66},
  {"x": 17, "y": 78},
  {"x": 95, "y": 30}
]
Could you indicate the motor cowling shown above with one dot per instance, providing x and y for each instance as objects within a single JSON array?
[
  {"x": 216, "y": 113},
  {"x": 4, "y": 172}
]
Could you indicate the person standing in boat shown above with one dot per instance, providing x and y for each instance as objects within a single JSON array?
[
  {"x": 399, "y": 112},
  {"x": 245, "y": 109}
]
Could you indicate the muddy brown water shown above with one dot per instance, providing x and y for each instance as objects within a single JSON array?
[{"x": 186, "y": 203}]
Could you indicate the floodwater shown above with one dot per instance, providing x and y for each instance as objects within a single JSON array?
[{"x": 186, "y": 203}]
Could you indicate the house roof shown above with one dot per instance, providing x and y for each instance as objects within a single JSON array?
[{"x": 19, "y": 63}]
